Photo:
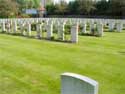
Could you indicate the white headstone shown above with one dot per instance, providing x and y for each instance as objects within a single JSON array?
[
  {"x": 39, "y": 30},
  {"x": 46, "y": 23},
  {"x": 50, "y": 30},
  {"x": 119, "y": 27},
  {"x": 8, "y": 26},
  {"x": 84, "y": 28},
  {"x": 28, "y": 29},
  {"x": 111, "y": 26},
  {"x": 3, "y": 27},
  {"x": 92, "y": 27},
  {"x": 14, "y": 27},
  {"x": 77, "y": 84},
  {"x": 22, "y": 28},
  {"x": 100, "y": 29},
  {"x": 74, "y": 33},
  {"x": 61, "y": 30}
]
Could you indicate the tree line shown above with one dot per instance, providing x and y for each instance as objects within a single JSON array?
[
  {"x": 15, "y": 8},
  {"x": 88, "y": 7}
]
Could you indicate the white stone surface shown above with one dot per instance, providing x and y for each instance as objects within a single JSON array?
[{"x": 77, "y": 84}]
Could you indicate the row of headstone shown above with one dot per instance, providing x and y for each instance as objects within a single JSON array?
[
  {"x": 24, "y": 27},
  {"x": 96, "y": 26}
]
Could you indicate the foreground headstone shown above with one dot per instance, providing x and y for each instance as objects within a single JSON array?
[{"x": 77, "y": 84}]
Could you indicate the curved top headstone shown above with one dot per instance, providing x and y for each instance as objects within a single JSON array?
[{"x": 78, "y": 84}]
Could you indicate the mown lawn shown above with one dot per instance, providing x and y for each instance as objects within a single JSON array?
[{"x": 30, "y": 66}]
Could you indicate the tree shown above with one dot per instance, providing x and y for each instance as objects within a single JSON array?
[
  {"x": 51, "y": 9},
  {"x": 117, "y": 7},
  {"x": 73, "y": 7},
  {"x": 86, "y": 6},
  {"x": 102, "y": 7},
  {"x": 8, "y": 8},
  {"x": 61, "y": 8}
]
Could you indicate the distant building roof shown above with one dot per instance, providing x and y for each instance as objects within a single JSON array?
[{"x": 31, "y": 11}]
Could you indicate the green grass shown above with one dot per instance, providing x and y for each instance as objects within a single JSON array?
[{"x": 30, "y": 66}]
